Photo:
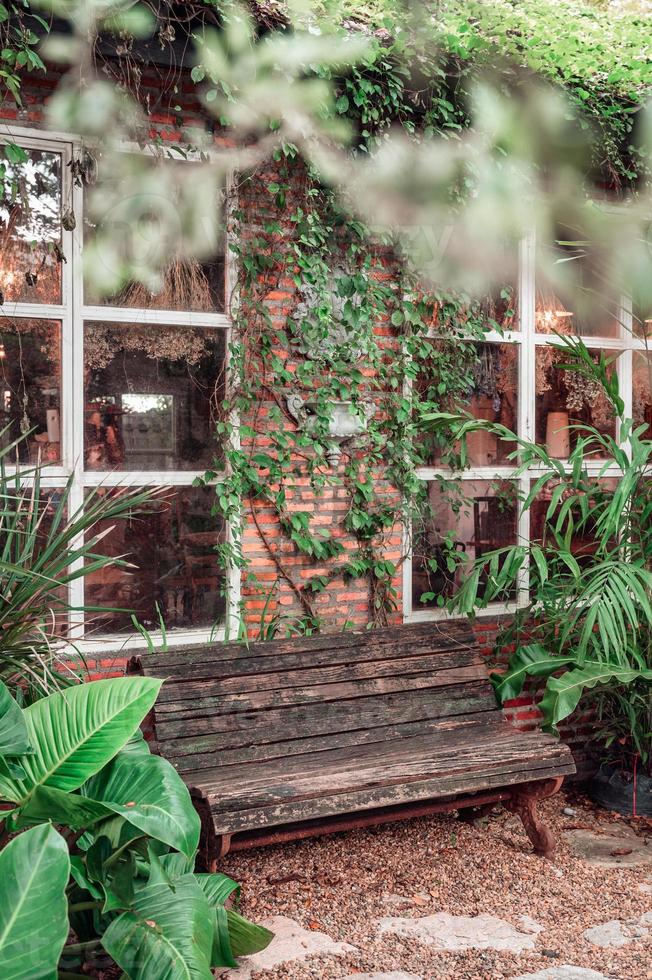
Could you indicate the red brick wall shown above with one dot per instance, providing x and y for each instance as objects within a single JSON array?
[{"x": 342, "y": 602}]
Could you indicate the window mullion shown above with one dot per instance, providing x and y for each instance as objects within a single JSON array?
[
  {"x": 625, "y": 364},
  {"x": 527, "y": 401},
  {"x": 74, "y": 396},
  {"x": 76, "y": 587},
  {"x": 527, "y": 307},
  {"x": 34, "y": 311},
  {"x": 523, "y": 538},
  {"x": 167, "y": 318},
  {"x": 69, "y": 375}
]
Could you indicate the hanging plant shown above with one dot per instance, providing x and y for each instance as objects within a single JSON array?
[
  {"x": 495, "y": 373},
  {"x": 103, "y": 341},
  {"x": 184, "y": 287}
]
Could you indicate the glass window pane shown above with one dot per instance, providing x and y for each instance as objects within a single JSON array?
[
  {"x": 188, "y": 284},
  {"x": 490, "y": 392},
  {"x": 578, "y": 299},
  {"x": 30, "y": 228},
  {"x": 642, "y": 404},
  {"x": 466, "y": 521},
  {"x": 171, "y": 545},
  {"x": 137, "y": 219},
  {"x": 149, "y": 396},
  {"x": 565, "y": 398},
  {"x": 30, "y": 387}
]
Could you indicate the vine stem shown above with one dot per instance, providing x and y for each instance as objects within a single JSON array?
[
  {"x": 81, "y": 947},
  {"x": 84, "y": 906},
  {"x": 301, "y": 596}
]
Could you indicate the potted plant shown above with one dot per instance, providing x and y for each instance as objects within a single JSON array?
[
  {"x": 586, "y": 630},
  {"x": 623, "y": 781}
]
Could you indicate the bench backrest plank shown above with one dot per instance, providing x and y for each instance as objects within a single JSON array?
[{"x": 228, "y": 703}]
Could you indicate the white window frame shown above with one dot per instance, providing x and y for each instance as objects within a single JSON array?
[
  {"x": 527, "y": 338},
  {"x": 73, "y": 313}
]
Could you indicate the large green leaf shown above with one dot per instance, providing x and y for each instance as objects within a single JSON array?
[
  {"x": 14, "y": 739},
  {"x": 112, "y": 872},
  {"x": 76, "y": 732},
  {"x": 217, "y": 887},
  {"x": 11, "y": 768},
  {"x": 78, "y": 872},
  {"x": 221, "y": 952},
  {"x": 34, "y": 871},
  {"x": 234, "y": 935},
  {"x": 136, "y": 745},
  {"x": 70, "y": 809},
  {"x": 148, "y": 792},
  {"x": 246, "y": 937},
  {"x": 563, "y": 693},
  {"x": 528, "y": 661},
  {"x": 168, "y": 935},
  {"x": 176, "y": 865}
]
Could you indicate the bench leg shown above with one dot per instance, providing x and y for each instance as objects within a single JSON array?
[
  {"x": 524, "y": 803},
  {"x": 212, "y": 846},
  {"x": 219, "y": 848}
]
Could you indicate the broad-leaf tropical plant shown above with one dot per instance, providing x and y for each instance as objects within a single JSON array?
[
  {"x": 111, "y": 849},
  {"x": 586, "y": 625}
]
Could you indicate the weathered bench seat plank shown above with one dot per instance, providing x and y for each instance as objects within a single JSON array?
[
  {"x": 327, "y": 648},
  {"x": 319, "y": 743},
  {"x": 297, "y": 731},
  {"x": 219, "y": 731},
  {"x": 176, "y": 691},
  {"x": 321, "y": 774}
]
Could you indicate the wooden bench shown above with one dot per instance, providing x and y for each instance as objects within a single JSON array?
[{"x": 289, "y": 738}]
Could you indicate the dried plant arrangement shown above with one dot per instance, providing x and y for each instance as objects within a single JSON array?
[
  {"x": 185, "y": 286},
  {"x": 103, "y": 341}
]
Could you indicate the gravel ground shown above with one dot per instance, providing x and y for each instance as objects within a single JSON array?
[{"x": 342, "y": 885}]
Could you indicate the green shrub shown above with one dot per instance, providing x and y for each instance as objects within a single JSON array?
[
  {"x": 587, "y": 619},
  {"x": 111, "y": 845}
]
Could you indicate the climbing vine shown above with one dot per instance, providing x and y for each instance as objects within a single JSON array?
[
  {"x": 19, "y": 26},
  {"x": 329, "y": 318}
]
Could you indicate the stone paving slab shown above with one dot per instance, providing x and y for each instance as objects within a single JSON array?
[
  {"x": 617, "y": 847},
  {"x": 616, "y": 933},
  {"x": 459, "y": 932},
  {"x": 564, "y": 973},
  {"x": 291, "y": 943}
]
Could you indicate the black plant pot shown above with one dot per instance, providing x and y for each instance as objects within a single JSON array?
[{"x": 613, "y": 788}]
